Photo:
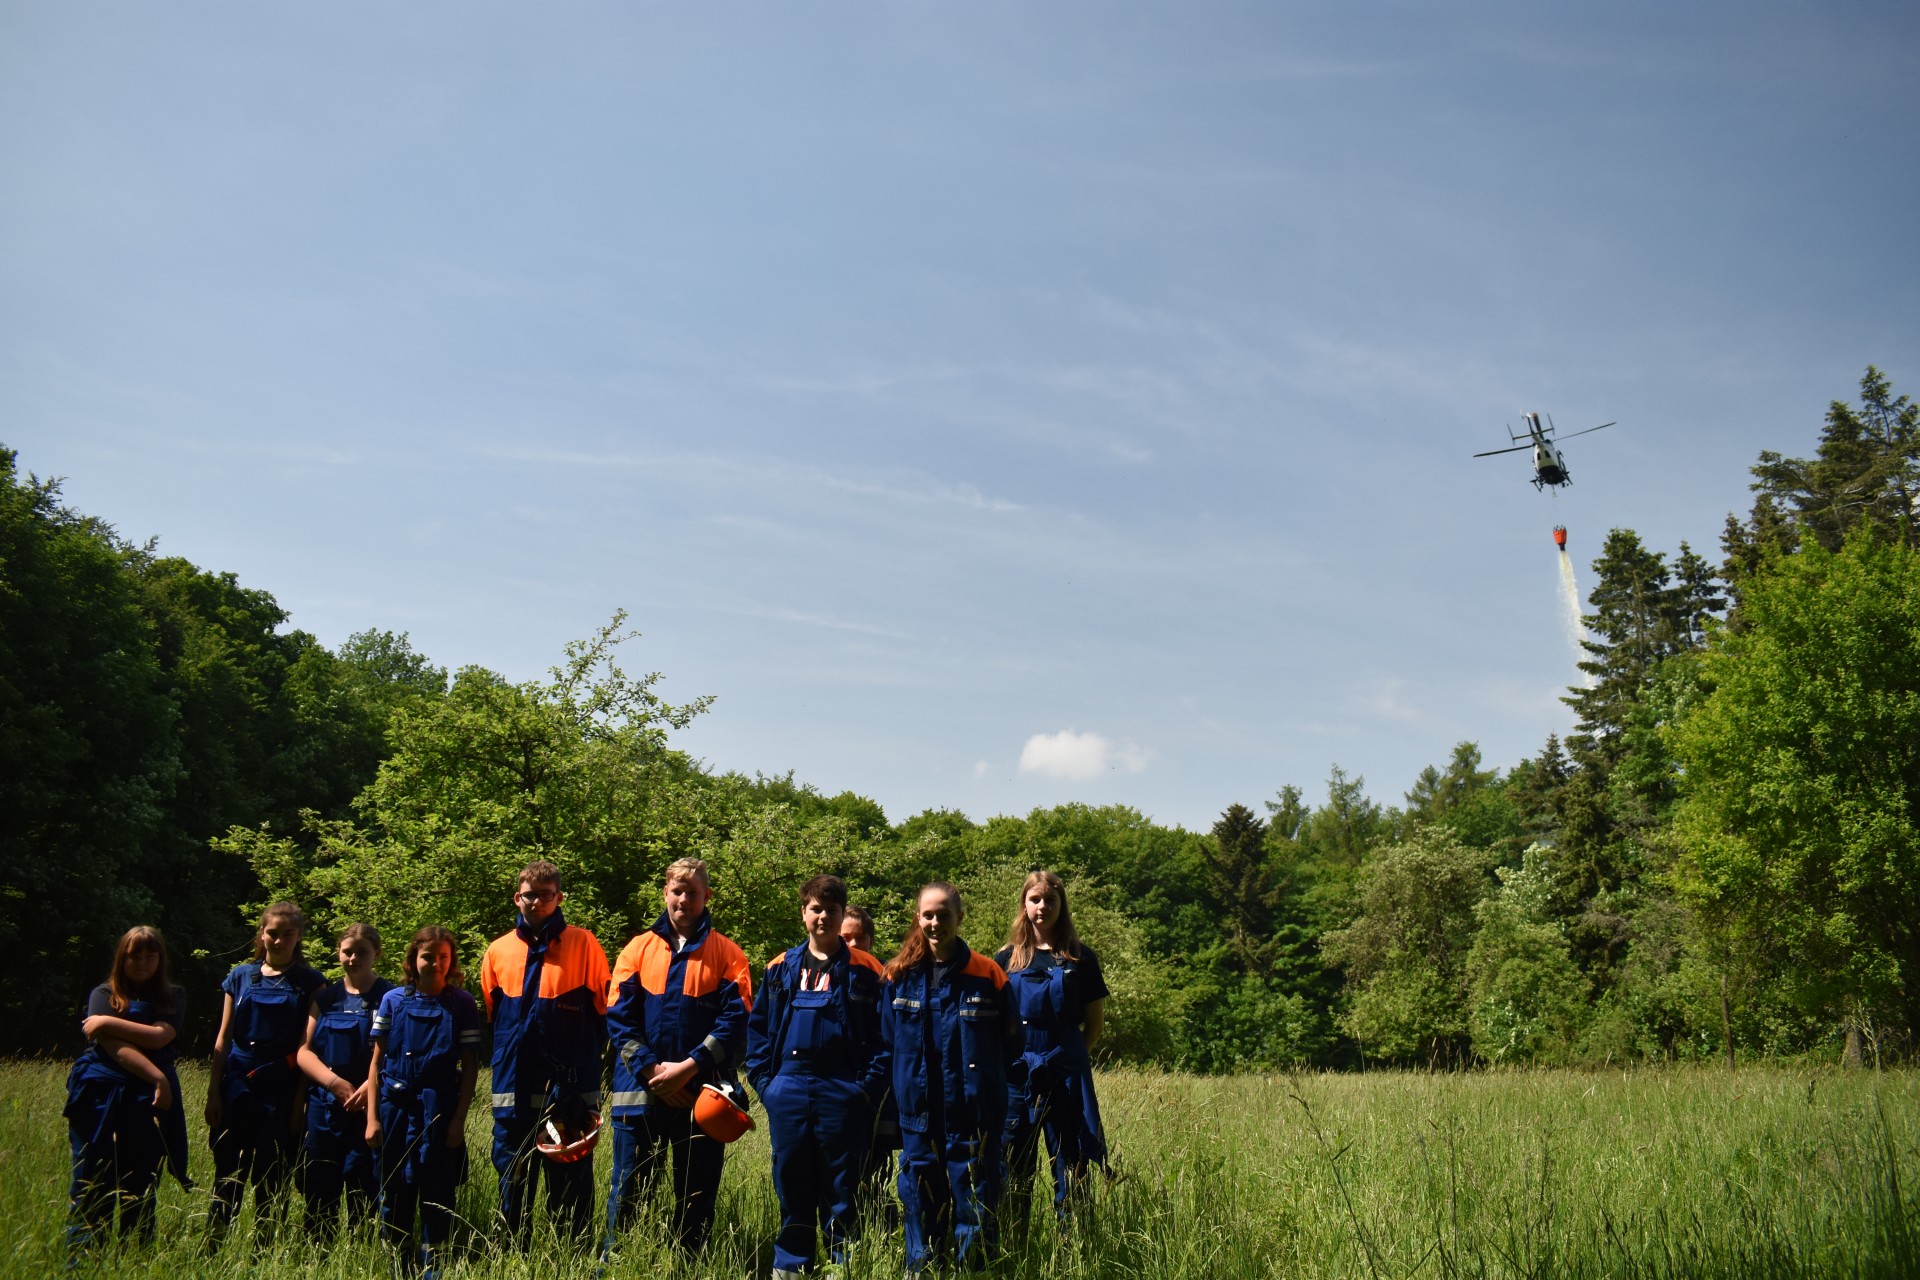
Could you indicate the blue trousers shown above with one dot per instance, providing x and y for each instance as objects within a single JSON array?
[
  {"x": 106, "y": 1182},
  {"x": 569, "y": 1186},
  {"x": 420, "y": 1177},
  {"x": 254, "y": 1146},
  {"x": 1069, "y": 1122},
  {"x": 949, "y": 1190},
  {"x": 696, "y": 1160},
  {"x": 819, "y": 1127},
  {"x": 338, "y": 1165}
]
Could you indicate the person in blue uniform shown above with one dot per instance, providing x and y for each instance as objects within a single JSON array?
[
  {"x": 1061, "y": 997},
  {"x": 254, "y": 1086},
  {"x": 947, "y": 1019},
  {"x": 545, "y": 987},
  {"x": 816, "y": 1060},
  {"x": 426, "y": 1056},
  {"x": 335, "y": 1057},
  {"x": 124, "y": 1116},
  {"x": 677, "y": 1009}
]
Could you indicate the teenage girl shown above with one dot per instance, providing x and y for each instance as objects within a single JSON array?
[
  {"x": 123, "y": 1099},
  {"x": 426, "y": 1055},
  {"x": 1061, "y": 997},
  {"x": 948, "y": 1019},
  {"x": 334, "y": 1059},
  {"x": 253, "y": 1093}
]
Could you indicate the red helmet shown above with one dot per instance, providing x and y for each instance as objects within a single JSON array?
[
  {"x": 565, "y": 1143},
  {"x": 719, "y": 1114}
]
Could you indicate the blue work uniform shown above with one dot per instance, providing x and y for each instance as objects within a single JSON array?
[
  {"x": 422, "y": 1040},
  {"x": 259, "y": 1089},
  {"x": 338, "y": 1161},
  {"x": 1051, "y": 1091},
  {"x": 119, "y": 1142},
  {"x": 951, "y": 1031},
  {"x": 545, "y": 987},
  {"x": 816, "y": 1059},
  {"x": 669, "y": 999}
]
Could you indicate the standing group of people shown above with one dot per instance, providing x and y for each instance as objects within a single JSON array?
[{"x": 965, "y": 1064}]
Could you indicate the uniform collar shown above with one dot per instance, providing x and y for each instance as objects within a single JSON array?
[
  {"x": 545, "y": 932},
  {"x": 664, "y": 927}
]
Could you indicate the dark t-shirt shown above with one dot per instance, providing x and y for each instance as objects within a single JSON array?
[
  {"x": 100, "y": 1005},
  {"x": 815, "y": 973},
  {"x": 1085, "y": 984}
]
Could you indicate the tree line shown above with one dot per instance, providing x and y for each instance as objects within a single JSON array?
[{"x": 1723, "y": 858}]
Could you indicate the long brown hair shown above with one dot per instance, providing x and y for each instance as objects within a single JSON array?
[
  {"x": 913, "y": 947},
  {"x": 1024, "y": 938},
  {"x": 430, "y": 936},
  {"x": 121, "y": 990},
  {"x": 280, "y": 911}
]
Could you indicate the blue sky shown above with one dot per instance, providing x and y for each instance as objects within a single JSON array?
[{"x": 992, "y": 404}]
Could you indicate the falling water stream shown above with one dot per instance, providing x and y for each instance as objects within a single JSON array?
[{"x": 1570, "y": 603}]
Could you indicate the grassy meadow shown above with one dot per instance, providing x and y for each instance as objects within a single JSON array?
[{"x": 1770, "y": 1172}]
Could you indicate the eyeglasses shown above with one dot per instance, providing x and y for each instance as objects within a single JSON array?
[{"x": 538, "y": 895}]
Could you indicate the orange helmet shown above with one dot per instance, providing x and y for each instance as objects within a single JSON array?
[
  {"x": 719, "y": 1114},
  {"x": 565, "y": 1143}
]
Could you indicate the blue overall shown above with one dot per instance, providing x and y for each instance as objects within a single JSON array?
[
  {"x": 119, "y": 1142},
  {"x": 1050, "y": 1090},
  {"x": 338, "y": 1161},
  {"x": 816, "y": 1060},
  {"x": 259, "y": 1091},
  {"x": 421, "y": 1039},
  {"x": 951, "y": 1044}
]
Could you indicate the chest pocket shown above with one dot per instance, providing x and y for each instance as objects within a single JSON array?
[
  {"x": 815, "y": 1024},
  {"x": 267, "y": 1019},
  {"x": 419, "y": 1048},
  {"x": 342, "y": 1039},
  {"x": 1042, "y": 996}
]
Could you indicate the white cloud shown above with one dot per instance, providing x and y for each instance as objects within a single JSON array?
[
  {"x": 1078, "y": 756},
  {"x": 979, "y": 768}
]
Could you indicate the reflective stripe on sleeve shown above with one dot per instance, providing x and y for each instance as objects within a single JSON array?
[
  {"x": 716, "y": 1048},
  {"x": 630, "y": 1098},
  {"x": 503, "y": 1101}
]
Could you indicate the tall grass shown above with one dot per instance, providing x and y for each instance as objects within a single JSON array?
[{"x": 1770, "y": 1173}]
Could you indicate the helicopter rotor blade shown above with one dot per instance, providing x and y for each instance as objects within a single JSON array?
[
  {"x": 1590, "y": 430},
  {"x": 1516, "y": 449}
]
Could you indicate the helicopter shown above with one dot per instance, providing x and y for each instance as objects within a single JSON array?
[{"x": 1549, "y": 467}]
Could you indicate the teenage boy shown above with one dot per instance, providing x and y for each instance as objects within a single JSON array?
[
  {"x": 545, "y": 986},
  {"x": 677, "y": 1008},
  {"x": 816, "y": 1059}
]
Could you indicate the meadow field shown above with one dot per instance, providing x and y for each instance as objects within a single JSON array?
[{"x": 1671, "y": 1172}]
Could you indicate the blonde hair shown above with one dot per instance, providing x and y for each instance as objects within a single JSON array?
[
  {"x": 687, "y": 869},
  {"x": 1024, "y": 938}
]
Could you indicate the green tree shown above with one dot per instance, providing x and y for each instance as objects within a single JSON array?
[
  {"x": 575, "y": 768},
  {"x": 1247, "y": 885},
  {"x": 1800, "y": 782},
  {"x": 87, "y": 756},
  {"x": 1527, "y": 1000},
  {"x": 1404, "y": 955}
]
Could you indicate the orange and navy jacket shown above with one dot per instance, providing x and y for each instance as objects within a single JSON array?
[
  {"x": 671, "y": 1000},
  {"x": 546, "y": 991}
]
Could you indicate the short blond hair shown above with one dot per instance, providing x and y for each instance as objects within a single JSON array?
[{"x": 687, "y": 869}]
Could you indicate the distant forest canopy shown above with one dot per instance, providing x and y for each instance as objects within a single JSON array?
[{"x": 1722, "y": 859}]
